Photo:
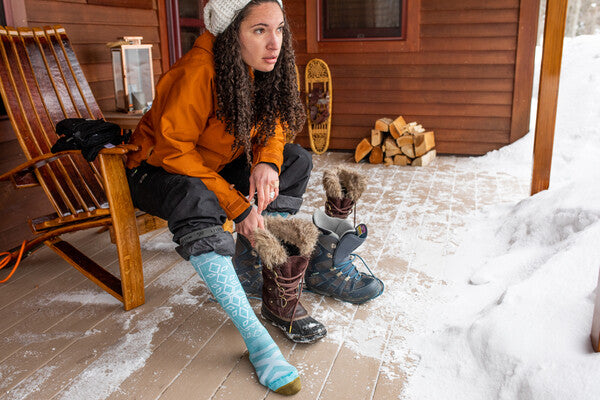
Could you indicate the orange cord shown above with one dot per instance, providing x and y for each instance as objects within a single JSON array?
[{"x": 7, "y": 257}]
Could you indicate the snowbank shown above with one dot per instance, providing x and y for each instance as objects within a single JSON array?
[{"x": 515, "y": 318}]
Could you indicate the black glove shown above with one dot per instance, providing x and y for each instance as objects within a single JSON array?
[{"x": 87, "y": 135}]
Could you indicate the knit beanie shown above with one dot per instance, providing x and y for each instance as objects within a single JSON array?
[{"x": 218, "y": 14}]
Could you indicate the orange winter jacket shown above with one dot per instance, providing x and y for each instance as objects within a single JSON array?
[{"x": 182, "y": 134}]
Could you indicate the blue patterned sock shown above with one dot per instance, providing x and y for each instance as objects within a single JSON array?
[
  {"x": 275, "y": 214},
  {"x": 219, "y": 275}
]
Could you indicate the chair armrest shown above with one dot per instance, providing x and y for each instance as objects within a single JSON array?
[
  {"x": 120, "y": 149},
  {"x": 49, "y": 157}
]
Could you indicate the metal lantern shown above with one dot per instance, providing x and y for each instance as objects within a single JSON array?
[{"x": 133, "y": 75}]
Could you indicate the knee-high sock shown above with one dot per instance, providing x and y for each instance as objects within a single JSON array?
[
  {"x": 276, "y": 214},
  {"x": 219, "y": 275}
]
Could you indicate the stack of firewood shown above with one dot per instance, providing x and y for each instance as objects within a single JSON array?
[{"x": 394, "y": 142}]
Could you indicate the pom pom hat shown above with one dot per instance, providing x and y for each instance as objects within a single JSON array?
[{"x": 218, "y": 14}]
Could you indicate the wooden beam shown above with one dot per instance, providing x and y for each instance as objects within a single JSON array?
[
  {"x": 163, "y": 29},
  {"x": 87, "y": 267},
  {"x": 595, "y": 336},
  {"x": 524, "y": 66},
  {"x": 15, "y": 13},
  {"x": 556, "y": 13}
]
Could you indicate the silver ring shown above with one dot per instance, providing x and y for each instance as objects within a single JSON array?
[{"x": 272, "y": 195}]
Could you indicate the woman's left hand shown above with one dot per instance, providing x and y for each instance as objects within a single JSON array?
[{"x": 264, "y": 181}]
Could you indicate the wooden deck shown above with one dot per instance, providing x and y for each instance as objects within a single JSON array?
[{"x": 63, "y": 338}]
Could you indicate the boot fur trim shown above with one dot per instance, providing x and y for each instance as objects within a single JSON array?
[
  {"x": 338, "y": 179},
  {"x": 300, "y": 233}
]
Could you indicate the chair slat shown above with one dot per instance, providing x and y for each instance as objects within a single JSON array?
[
  {"x": 77, "y": 172},
  {"x": 70, "y": 81},
  {"x": 82, "y": 83},
  {"x": 43, "y": 129},
  {"x": 18, "y": 107},
  {"x": 58, "y": 36},
  {"x": 79, "y": 88},
  {"x": 46, "y": 67}
]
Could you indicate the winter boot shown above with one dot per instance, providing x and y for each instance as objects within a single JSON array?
[
  {"x": 284, "y": 248},
  {"x": 331, "y": 270},
  {"x": 343, "y": 188},
  {"x": 247, "y": 266}
]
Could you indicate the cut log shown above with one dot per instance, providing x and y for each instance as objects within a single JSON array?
[
  {"x": 396, "y": 127},
  {"x": 404, "y": 140},
  {"x": 401, "y": 159},
  {"x": 388, "y": 161},
  {"x": 423, "y": 143},
  {"x": 376, "y": 137},
  {"x": 391, "y": 149},
  {"x": 376, "y": 156},
  {"x": 412, "y": 128},
  {"x": 362, "y": 150},
  {"x": 425, "y": 159},
  {"x": 408, "y": 150},
  {"x": 383, "y": 124}
]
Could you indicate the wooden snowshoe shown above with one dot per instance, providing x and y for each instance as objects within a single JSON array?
[{"x": 319, "y": 98}]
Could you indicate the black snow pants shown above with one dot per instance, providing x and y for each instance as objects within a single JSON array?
[{"x": 193, "y": 212}]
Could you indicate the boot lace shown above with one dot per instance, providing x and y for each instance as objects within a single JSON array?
[
  {"x": 349, "y": 269},
  {"x": 290, "y": 290}
]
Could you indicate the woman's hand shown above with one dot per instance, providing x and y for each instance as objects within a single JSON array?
[
  {"x": 249, "y": 224},
  {"x": 264, "y": 181}
]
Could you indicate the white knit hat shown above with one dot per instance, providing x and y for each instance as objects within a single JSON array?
[{"x": 218, "y": 14}]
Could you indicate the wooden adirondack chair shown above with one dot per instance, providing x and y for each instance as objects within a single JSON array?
[{"x": 42, "y": 83}]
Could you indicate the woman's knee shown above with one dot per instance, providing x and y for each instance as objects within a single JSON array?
[{"x": 299, "y": 159}]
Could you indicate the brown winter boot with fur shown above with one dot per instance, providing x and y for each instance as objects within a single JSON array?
[
  {"x": 284, "y": 248},
  {"x": 343, "y": 188}
]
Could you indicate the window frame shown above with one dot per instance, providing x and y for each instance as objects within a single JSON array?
[
  {"x": 352, "y": 33},
  {"x": 315, "y": 43},
  {"x": 174, "y": 23}
]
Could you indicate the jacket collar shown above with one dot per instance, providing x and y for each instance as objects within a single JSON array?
[{"x": 205, "y": 41}]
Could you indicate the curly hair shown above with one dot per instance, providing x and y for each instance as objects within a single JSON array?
[{"x": 245, "y": 103}]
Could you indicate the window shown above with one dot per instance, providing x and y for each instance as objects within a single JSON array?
[
  {"x": 185, "y": 21},
  {"x": 362, "y": 19},
  {"x": 368, "y": 26}
]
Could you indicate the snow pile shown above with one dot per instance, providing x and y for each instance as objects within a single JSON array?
[{"x": 515, "y": 317}]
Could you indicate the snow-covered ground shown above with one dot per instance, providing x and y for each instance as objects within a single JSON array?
[{"x": 514, "y": 318}]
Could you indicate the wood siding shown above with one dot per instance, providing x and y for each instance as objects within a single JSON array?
[{"x": 460, "y": 83}]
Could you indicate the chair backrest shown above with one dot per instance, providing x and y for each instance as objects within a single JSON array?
[{"x": 42, "y": 83}]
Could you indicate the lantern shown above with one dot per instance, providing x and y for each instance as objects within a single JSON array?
[{"x": 133, "y": 75}]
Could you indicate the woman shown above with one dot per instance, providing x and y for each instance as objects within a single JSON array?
[{"x": 215, "y": 138}]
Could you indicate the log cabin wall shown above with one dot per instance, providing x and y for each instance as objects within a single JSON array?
[
  {"x": 470, "y": 79},
  {"x": 90, "y": 24}
]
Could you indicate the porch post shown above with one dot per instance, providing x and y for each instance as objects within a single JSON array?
[{"x": 554, "y": 30}]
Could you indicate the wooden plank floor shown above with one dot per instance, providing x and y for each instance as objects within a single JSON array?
[{"x": 63, "y": 338}]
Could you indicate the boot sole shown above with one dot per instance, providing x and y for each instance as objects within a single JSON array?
[
  {"x": 321, "y": 292},
  {"x": 296, "y": 338}
]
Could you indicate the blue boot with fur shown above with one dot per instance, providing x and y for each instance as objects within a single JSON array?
[{"x": 331, "y": 270}]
